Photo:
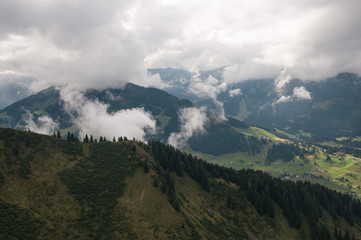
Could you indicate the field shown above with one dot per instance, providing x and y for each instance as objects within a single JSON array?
[{"x": 341, "y": 172}]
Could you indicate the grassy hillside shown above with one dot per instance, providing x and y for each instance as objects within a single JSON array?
[
  {"x": 336, "y": 170},
  {"x": 52, "y": 188}
]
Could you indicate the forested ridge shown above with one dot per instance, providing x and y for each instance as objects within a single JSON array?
[
  {"x": 76, "y": 190},
  {"x": 294, "y": 198}
]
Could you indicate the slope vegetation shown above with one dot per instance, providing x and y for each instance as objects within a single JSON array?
[{"x": 52, "y": 188}]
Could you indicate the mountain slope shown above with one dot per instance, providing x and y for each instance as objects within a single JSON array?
[
  {"x": 51, "y": 188},
  {"x": 333, "y": 111},
  {"x": 164, "y": 108},
  {"x": 325, "y": 109},
  {"x": 48, "y": 102}
]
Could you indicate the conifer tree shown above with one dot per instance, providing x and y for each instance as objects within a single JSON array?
[
  {"x": 86, "y": 139},
  {"x": 58, "y": 135}
]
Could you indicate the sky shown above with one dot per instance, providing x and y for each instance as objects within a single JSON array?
[
  {"x": 96, "y": 44},
  {"x": 81, "y": 44}
]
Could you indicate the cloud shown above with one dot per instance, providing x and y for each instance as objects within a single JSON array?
[
  {"x": 101, "y": 44},
  {"x": 43, "y": 125},
  {"x": 301, "y": 93},
  {"x": 283, "y": 99},
  {"x": 192, "y": 122},
  {"x": 235, "y": 92},
  {"x": 209, "y": 88},
  {"x": 282, "y": 80},
  {"x": 91, "y": 117}
]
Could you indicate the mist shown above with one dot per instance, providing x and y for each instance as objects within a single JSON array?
[
  {"x": 193, "y": 121},
  {"x": 92, "y": 118}
]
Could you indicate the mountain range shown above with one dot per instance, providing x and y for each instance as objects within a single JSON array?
[{"x": 321, "y": 110}]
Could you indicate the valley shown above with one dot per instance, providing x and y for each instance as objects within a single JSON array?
[{"x": 332, "y": 168}]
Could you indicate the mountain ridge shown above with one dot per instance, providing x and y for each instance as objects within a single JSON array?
[{"x": 62, "y": 190}]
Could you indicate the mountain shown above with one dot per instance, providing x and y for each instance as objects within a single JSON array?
[
  {"x": 333, "y": 109},
  {"x": 321, "y": 110},
  {"x": 48, "y": 102},
  {"x": 53, "y": 188},
  {"x": 13, "y": 89},
  {"x": 164, "y": 108}
]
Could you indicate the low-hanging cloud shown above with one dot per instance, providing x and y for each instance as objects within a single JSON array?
[
  {"x": 301, "y": 93},
  {"x": 192, "y": 122},
  {"x": 235, "y": 92},
  {"x": 92, "y": 118},
  {"x": 282, "y": 80},
  {"x": 209, "y": 88},
  {"x": 44, "y": 124}
]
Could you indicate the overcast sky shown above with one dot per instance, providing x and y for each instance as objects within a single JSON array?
[{"x": 107, "y": 43}]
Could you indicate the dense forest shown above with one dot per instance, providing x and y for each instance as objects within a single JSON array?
[
  {"x": 294, "y": 198},
  {"x": 223, "y": 138}
]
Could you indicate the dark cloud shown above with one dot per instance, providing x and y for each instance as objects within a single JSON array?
[{"x": 106, "y": 43}]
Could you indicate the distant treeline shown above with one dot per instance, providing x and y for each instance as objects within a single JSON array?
[
  {"x": 221, "y": 138},
  {"x": 285, "y": 152}
]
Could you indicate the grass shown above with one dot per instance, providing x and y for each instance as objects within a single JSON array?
[{"x": 329, "y": 174}]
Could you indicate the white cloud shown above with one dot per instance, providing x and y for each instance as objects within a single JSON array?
[
  {"x": 209, "y": 88},
  {"x": 97, "y": 44},
  {"x": 301, "y": 93},
  {"x": 282, "y": 80},
  {"x": 283, "y": 99},
  {"x": 235, "y": 92},
  {"x": 91, "y": 117},
  {"x": 192, "y": 122},
  {"x": 44, "y": 124}
]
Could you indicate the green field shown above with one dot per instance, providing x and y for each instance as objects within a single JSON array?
[{"x": 342, "y": 173}]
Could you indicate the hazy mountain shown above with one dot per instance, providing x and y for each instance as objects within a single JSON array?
[
  {"x": 53, "y": 188},
  {"x": 329, "y": 108},
  {"x": 165, "y": 109},
  {"x": 13, "y": 90},
  {"x": 318, "y": 109},
  {"x": 48, "y": 102}
]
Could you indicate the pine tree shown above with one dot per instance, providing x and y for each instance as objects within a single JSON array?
[
  {"x": 72, "y": 137},
  {"x": 58, "y": 135},
  {"x": 86, "y": 139},
  {"x": 91, "y": 139}
]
